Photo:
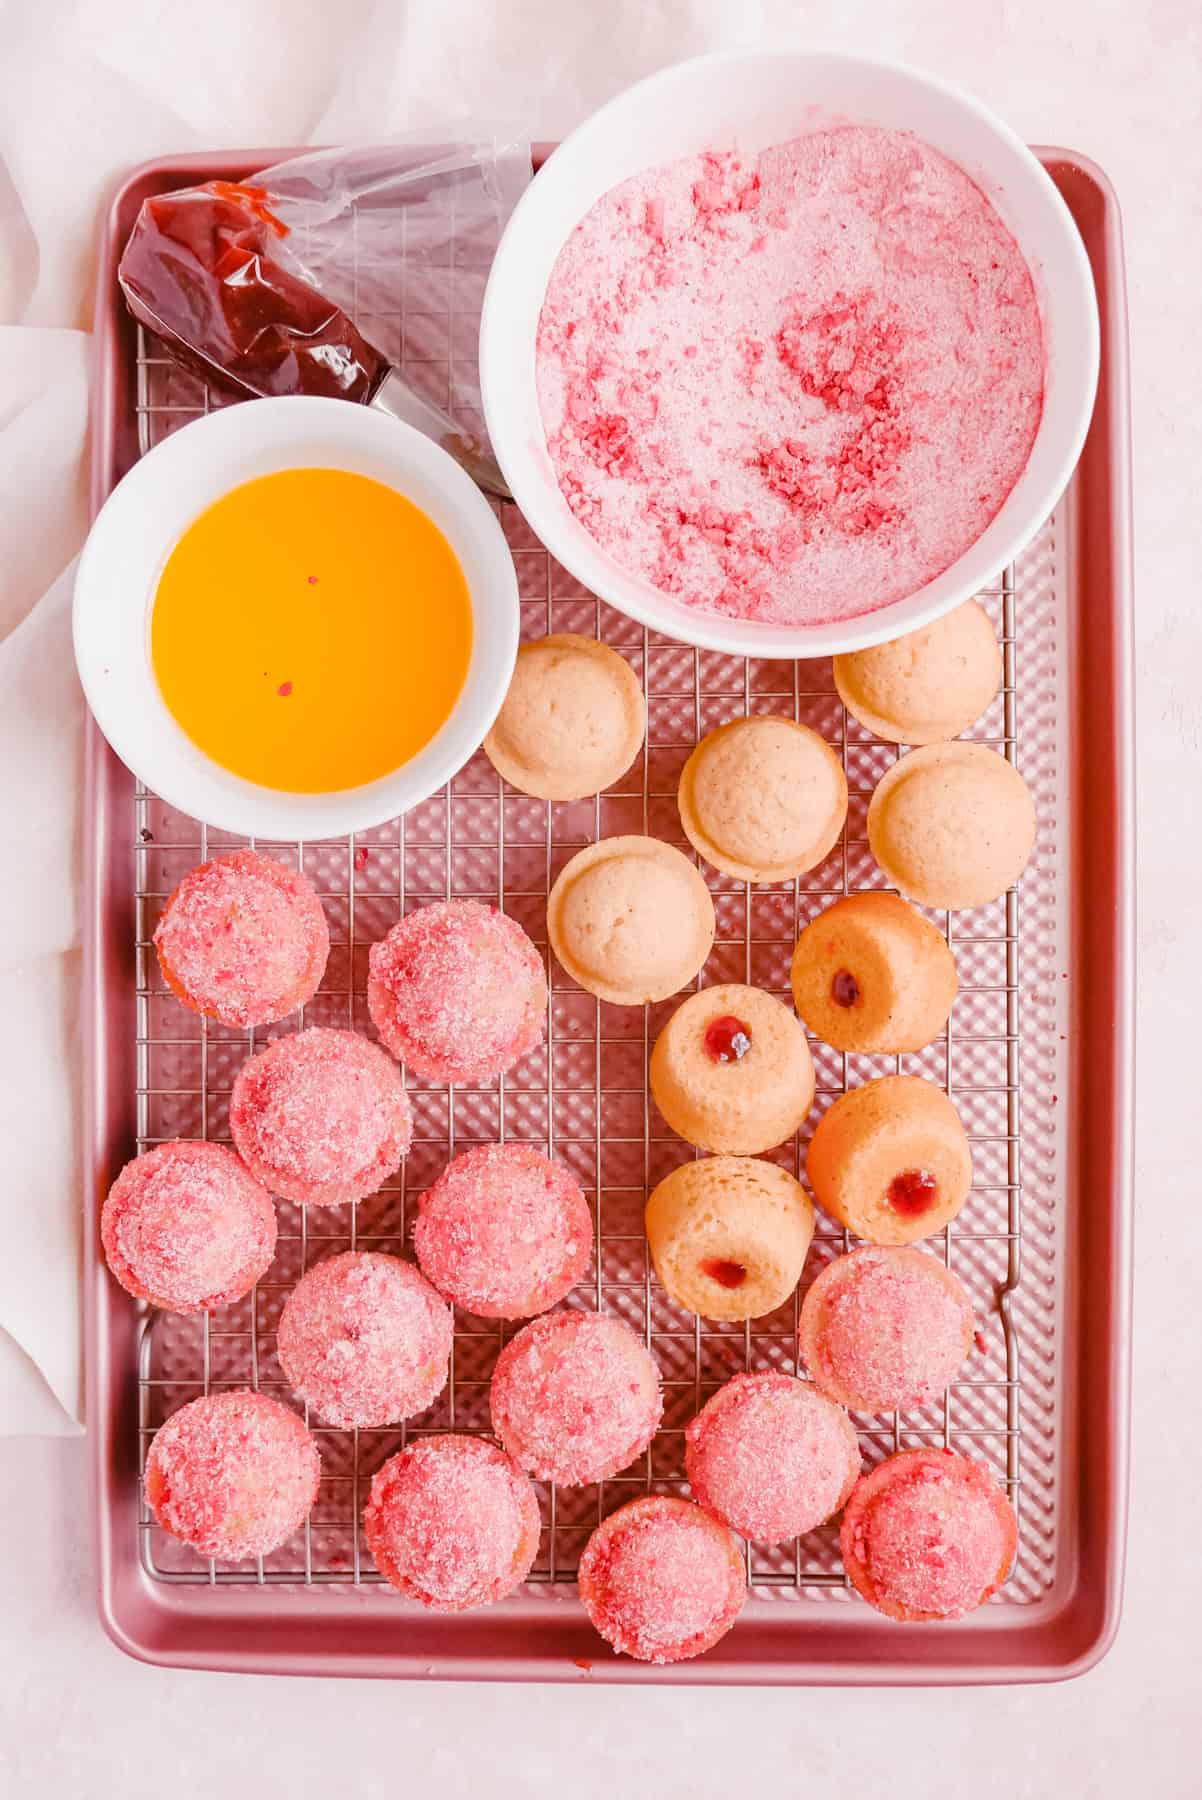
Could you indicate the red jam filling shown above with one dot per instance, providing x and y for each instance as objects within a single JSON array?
[
  {"x": 845, "y": 989},
  {"x": 726, "y": 1274},
  {"x": 727, "y": 1040},
  {"x": 913, "y": 1192}
]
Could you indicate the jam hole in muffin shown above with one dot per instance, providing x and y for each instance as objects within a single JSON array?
[
  {"x": 845, "y": 989},
  {"x": 727, "y": 1040},
  {"x": 726, "y": 1274},
  {"x": 913, "y": 1192}
]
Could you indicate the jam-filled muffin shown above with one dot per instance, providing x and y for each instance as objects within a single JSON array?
[
  {"x": 870, "y": 974},
  {"x": 630, "y": 919},
  {"x": 927, "y": 686},
  {"x": 952, "y": 825},
  {"x": 886, "y": 1326},
  {"x": 890, "y": 1160},
  {"x": 763, "y": 799},
  {"x": 731, "y": 1070},
  {"x": 928, "y": 1535},
  {"x": 572, "y": 722},
  {"x": 771, "y": 1457},
  {"x": 729, "y": 1235},
  {"x": 661, "y": 1580}
]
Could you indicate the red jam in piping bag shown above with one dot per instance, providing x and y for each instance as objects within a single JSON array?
[{"x": 199, "y": 273}]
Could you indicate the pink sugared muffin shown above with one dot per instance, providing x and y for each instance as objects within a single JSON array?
[
  {"x": 187, "y": 1227},
  {"x": 885, "y": 1327},
  {"x": 770, "y": 1457},
  {"x": 457, "y": 991},
  {"x": 575, "y": 1397},
  {"x": 661, "y": 1580},
  {"x": 321, "y": 1117},
  {"x": 452, "y": 1522},
  {"x": 232, "y": 1474},
  {"x": 928, "y": 1535},
  {"x": 243, "y": 940},
  {"x": 365, "y": 1340},
  {"x": 504, "y": 1232}
]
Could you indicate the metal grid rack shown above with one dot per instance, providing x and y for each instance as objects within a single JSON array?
[{"x": 583, "y": 1095}]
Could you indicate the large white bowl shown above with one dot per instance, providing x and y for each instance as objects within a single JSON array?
[
  {"x": 750, "y": 100},
  {"x": 144, "y": 518}
]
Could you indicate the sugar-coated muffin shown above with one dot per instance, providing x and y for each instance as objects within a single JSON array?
[
  {"x": 731, "y": 1070},
  {"x": 187, "y": 1227},
  {"x": 870, "y": 974},
  {"x": 930, "y": 684},
  {"x": 365, "y": 1340},
  {"x": 457, "y": 991},
  {"x": 504, "y": 1232},
  {"x": 321, "y": 1117},
  {"x": 631, "y": 920},
  {"x": 243, "y": 940},
  {"x": 885, "y": 1327},
  {"x": 770, "y": 1457},
  {"x": 763, "y": 799},
  {"x": 232, "y": 1474},
  {"x": 890, "y": 1161},
  {"x": 928, "y": 1535},
  {"x": 572, "y": 722},
  {"x": 661, "y": 1580},
  {"x": 952, "y": 825},
  {"x": 453, "y": 1522},
  {"x": 575, "y": 1397},
  {"x": 729, "y": 1235}
]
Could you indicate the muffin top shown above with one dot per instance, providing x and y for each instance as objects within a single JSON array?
[
  {"x": 572, "y": 722},
  {"x": 763, "y": 799}
]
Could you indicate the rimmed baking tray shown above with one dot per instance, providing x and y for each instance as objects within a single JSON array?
[{"x": 1038, "y": 1058}]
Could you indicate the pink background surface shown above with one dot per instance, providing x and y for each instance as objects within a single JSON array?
[{"x": 1119, "y": 85}]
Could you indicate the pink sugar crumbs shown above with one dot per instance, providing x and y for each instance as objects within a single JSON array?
[{"x": 796, "y": 387}]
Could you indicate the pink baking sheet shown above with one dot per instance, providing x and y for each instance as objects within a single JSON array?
[{"x": 1041, "y": 1066}]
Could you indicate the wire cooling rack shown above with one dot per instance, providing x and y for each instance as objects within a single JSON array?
[{"x": 583, "y": 1095}]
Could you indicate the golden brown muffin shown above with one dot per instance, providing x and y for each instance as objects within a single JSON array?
[
  {"x": 890, "y": 1160},
  {"x": 871, "y": 974},
  {"x": 731, "y": 1070},
  {"x": 729, "y": 1236},
  {"x": 763, "y": 799},
  {"x": 630, "y": 919},
  {"x": 572, "y": 722},
  {"x": 930, "y": 684},
  {"x": 952, "y": 825}
]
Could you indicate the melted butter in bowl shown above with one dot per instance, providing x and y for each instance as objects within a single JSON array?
[{"x": 311, "y": 630}]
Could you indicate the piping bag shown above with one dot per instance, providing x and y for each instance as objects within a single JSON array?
[{"x": 212, "y": 271}]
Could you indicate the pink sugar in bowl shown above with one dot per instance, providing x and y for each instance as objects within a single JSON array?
[{"x": 787, "y": 354}]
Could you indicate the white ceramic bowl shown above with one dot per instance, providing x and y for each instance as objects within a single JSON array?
[
  {"x": 750, "y": 100},
  {"x": 143, "y": 519}
]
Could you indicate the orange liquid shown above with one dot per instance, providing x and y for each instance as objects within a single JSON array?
[{"x": 311, "y": 630}]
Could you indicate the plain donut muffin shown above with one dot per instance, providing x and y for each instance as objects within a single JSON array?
[
  {"x": 763, "y": 799},
  {"x": 572, "y": 722},
  {"x": 890, "y": 1160},
  {"x": 729, "y": 1235},
  {"x": 928, "y": 685},
  {"x": 731, "y": 1070},
  {"x": 630, "y": 919},
  {"x": 870, "y": 974},
  {"x": 952, "y": 825}
]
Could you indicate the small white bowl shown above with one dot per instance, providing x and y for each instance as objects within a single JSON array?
[
  {"x": 750, "y": 100},
  {"x": 145, "y": 516}
]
